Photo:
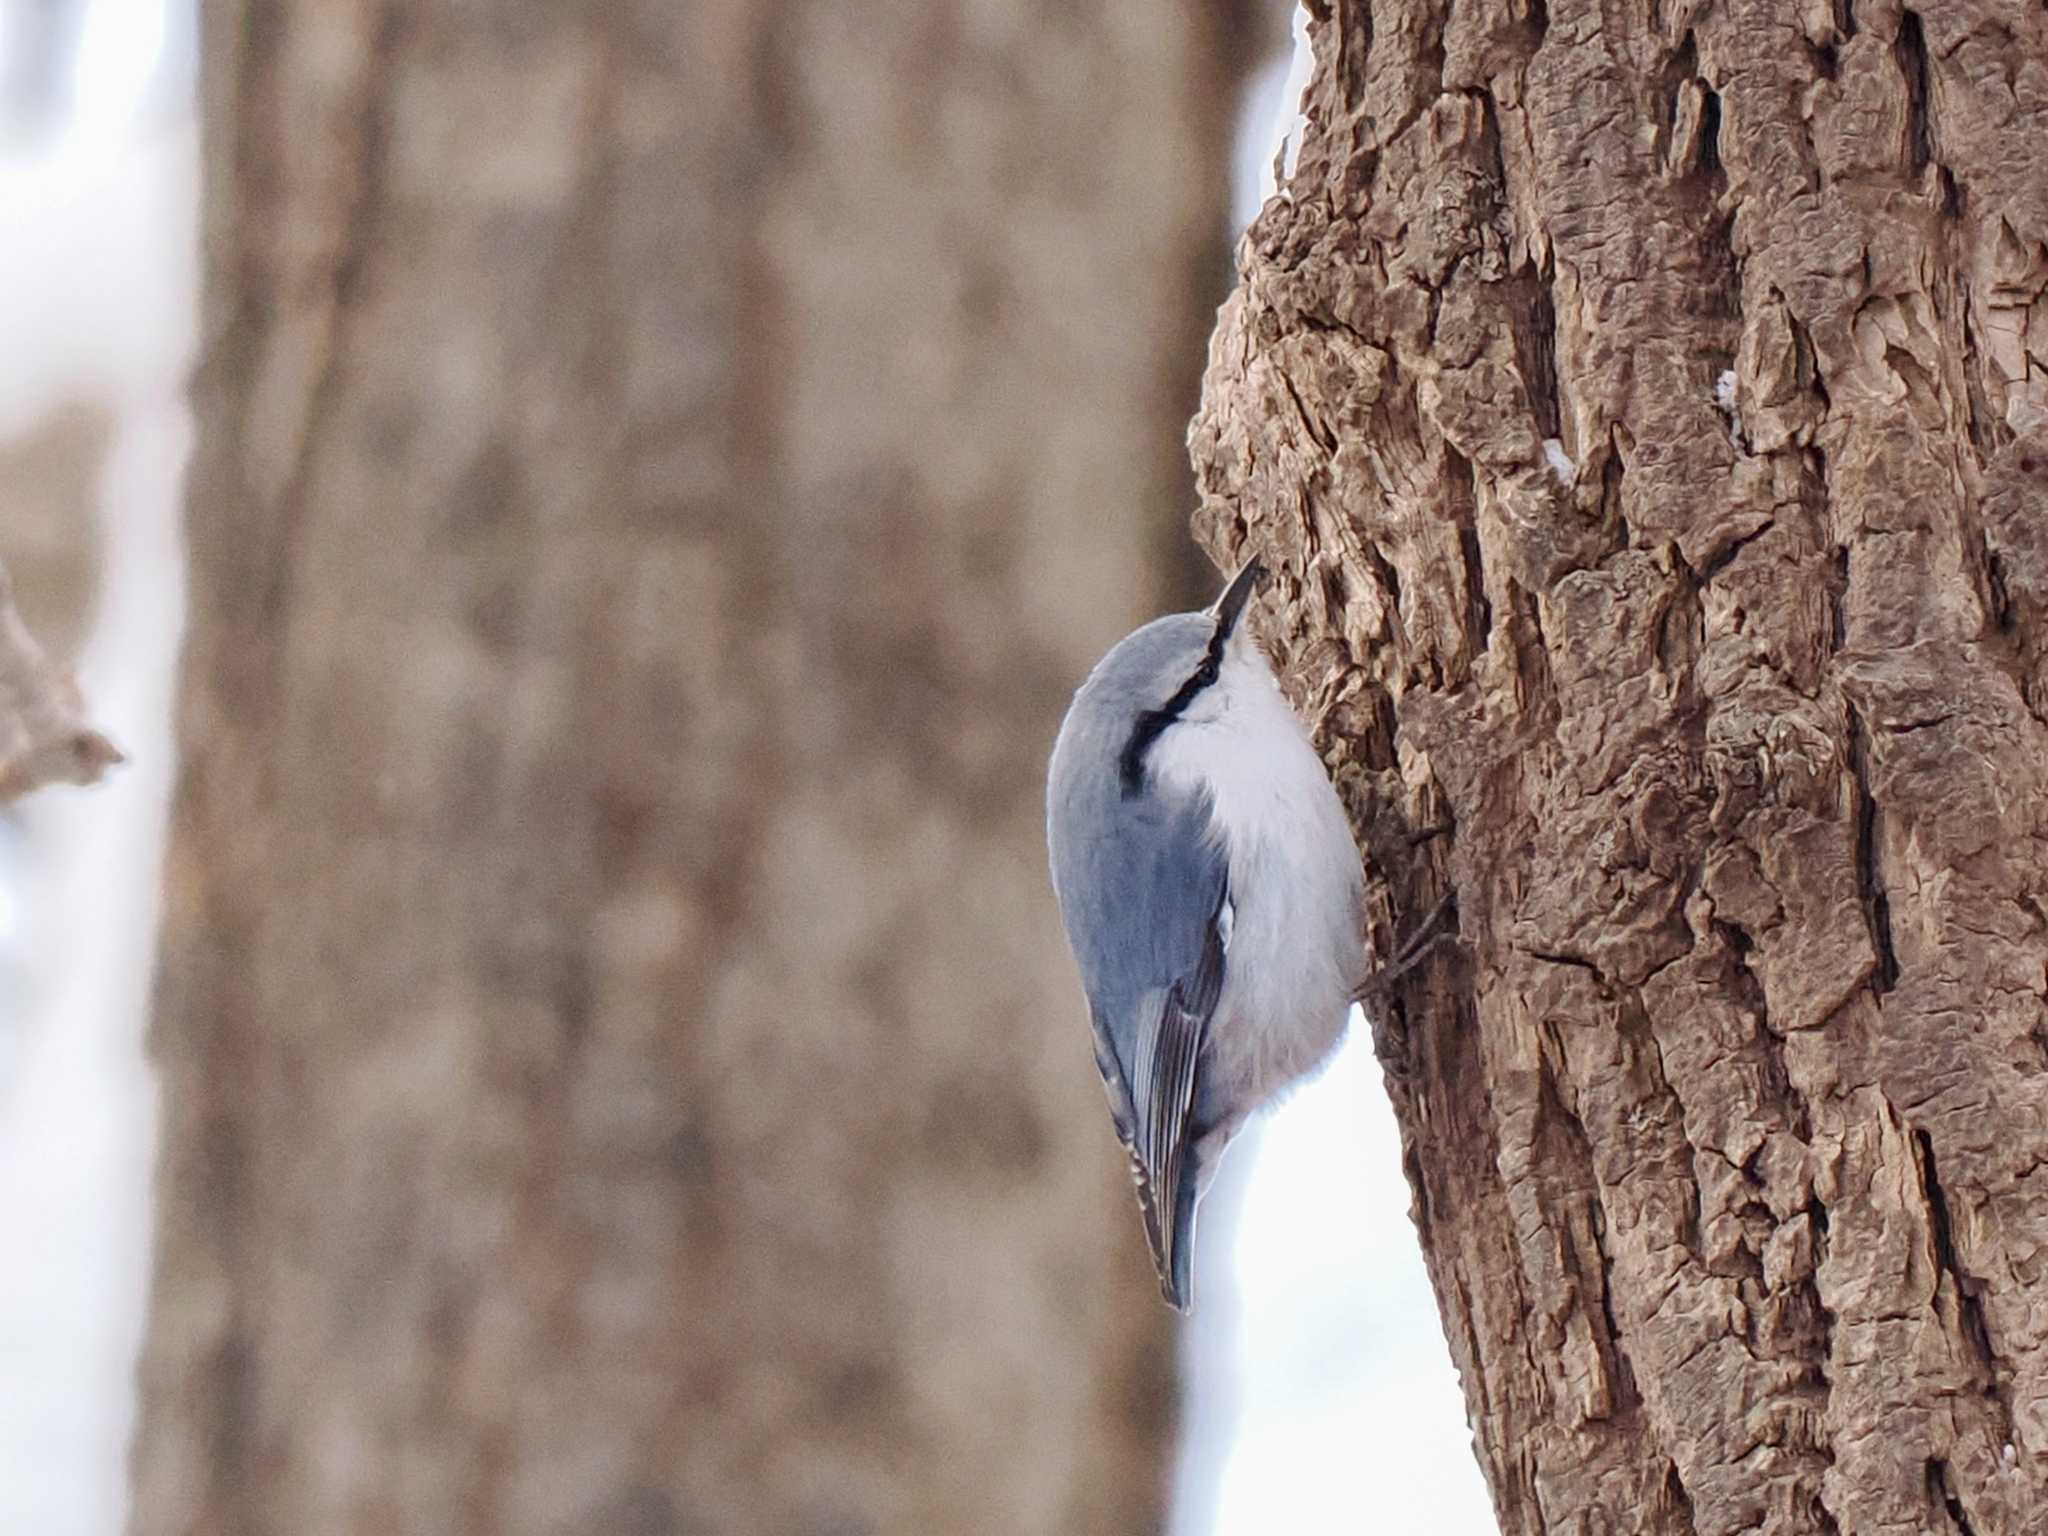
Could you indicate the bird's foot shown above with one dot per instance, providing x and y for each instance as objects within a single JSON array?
[{"x": 1431, "y": 932}]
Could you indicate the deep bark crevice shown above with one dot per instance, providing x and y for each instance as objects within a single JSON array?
[
  {"x": 1838, "y": 600},
  {"x": 1535, "y": 332},
  {"x": 1969, "y": 1289},
  {"x": 1749, "y": 986},
  {"x": 1681, "y": 67},
  {"x": 1675, "y": 1490},
  {"x": 1532, "y": 653},
  {"x": 1569, "y": 1196},
  {"x": 1941, "y": 1484},
  {"x": 1726, "y": 557},
  {"x": 1910, "y": 50},
  {"x": 1870, "y": 882},
  {"x": 1480, "y": 614},
  {"x": 1613, "y": 469},
  {"x": 1709, "y": 162},
  {"x": 1955, "y": 198}
]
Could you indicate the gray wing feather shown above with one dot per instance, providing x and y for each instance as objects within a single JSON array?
[
  {"x": 1177, "y": 1050},
  {"x": 1141, "y": 882}
]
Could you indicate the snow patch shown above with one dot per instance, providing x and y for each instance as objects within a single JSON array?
[
  {"x": 78, "y": 1103},
  {"x": 1300, "y": 68},
  {"x": 1724, "y": 398},
  {"x": 98, "y": 276},
  {"x": 1562, "y": 469},
  {"x": 1321, "y": 1335},
  {"x": 98, "y": 260},
  {"x": 1274, "y": 123}
]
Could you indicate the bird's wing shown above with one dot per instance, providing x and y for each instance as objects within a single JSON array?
[
  {"x": 1166, "y": 1092},
  {"x": 1143, "y": 902}
]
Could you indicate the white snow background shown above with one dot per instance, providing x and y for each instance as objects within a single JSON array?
[
  {"x": 97, "y": 281},
  {"x": 1320, "y": 1394}
]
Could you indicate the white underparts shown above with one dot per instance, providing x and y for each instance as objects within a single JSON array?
[{"x": 1293, "y": 925}]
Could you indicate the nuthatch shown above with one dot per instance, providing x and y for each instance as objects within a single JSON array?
[{"x": 1212, "y": 895}]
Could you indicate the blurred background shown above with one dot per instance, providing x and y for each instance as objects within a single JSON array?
[{"x": 1314, "y": 1390}]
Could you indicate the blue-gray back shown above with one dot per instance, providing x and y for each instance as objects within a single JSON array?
[{"x": 1139, "y": 878}]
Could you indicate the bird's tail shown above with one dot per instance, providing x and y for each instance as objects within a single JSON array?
[
  {"x": 1169, "y": 1217},
  {"x": 1177, "y": 1263}
]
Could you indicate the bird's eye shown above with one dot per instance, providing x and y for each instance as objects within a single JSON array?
[{"x": 1207, "y": 674}]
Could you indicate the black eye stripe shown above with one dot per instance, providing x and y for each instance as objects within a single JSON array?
[{"x": 1152, "y": 722}]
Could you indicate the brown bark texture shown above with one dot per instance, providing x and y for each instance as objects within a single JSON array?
[
  {"x": 660, "y": 472},
  {"x": 1728, "y": 1129}
]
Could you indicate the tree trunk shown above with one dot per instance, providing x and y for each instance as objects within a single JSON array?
[
  {"x": 1722, "y": 713},
  {"x": 660, "y": 472}
]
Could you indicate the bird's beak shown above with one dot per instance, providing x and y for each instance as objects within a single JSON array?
[{"x": 1237, "y": 596}]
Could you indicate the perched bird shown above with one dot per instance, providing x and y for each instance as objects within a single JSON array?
[{"x": 1212, "y": 895}]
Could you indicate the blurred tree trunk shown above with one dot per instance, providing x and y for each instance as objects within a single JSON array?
[
  {"x": 661, "y": 470},
  {"x": 1725, "y": 715}
]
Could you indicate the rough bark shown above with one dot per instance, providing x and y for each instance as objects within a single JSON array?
[
  {"x": 1729, "y": 1130},
  {"x": 660, "y": 471}
]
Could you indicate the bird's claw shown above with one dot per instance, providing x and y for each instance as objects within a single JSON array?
[{"x": 1431, "y": 932}]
